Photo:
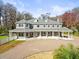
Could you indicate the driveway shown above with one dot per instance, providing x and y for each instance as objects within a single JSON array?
[{"x": 33, "y": 46}]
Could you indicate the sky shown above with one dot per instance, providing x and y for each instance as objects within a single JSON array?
[{"x": 37, "y": 7}]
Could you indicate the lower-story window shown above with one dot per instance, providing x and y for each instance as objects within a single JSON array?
[
  {"x": 43, "y": 33},
  {"x": 49, "y": 33},
  {"x": 55, "y": 33},
  {"x": 21, "y": 34}
]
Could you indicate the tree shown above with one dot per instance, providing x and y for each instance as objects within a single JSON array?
[
  {"x": 66, "y": 52},
  {"x": 23, "y": 15},
  {"x": 9, "y": 16},
  {"x": 68, "y": 19},
  {"x": 45, "y": 16},
  {"x": 28, "y": 16},
  {"x": 19, "y": 16},
  {"x": 1, "y": 12}
]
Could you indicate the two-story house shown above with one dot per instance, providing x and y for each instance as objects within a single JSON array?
[{"x": 38, "y": 28}]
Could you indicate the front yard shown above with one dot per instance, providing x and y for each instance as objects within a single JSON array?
[
  {"x": 9, "y": 45},
  {"x": 3, "y": 37}
]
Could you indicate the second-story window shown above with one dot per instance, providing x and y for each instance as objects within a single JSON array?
[
  {"x": 26, "y": 25},
  {"x": 57, "y": 25},
  {"x": 44, "y": 25},
  {"x": 20, "y": 25},
  {"x": 37, "y": 25},
  {"x": 48, "y": 25},
  {"x": 52, "y": 25}
]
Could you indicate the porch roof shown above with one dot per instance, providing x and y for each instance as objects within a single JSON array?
[{"x": 64, "y": 29}]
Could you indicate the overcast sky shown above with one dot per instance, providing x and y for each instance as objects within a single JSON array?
[{"x": 37, "y": 7}]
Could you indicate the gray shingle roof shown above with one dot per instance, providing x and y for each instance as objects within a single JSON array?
[
  {"x": 22, "y": 21},
  {"x": 40, "y": 21}
]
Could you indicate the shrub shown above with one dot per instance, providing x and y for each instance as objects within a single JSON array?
[{"x": 66, "y": 52}]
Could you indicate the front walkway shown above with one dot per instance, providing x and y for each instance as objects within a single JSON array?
[{"x": 33, "y": 46}]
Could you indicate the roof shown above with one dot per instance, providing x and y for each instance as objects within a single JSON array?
[
  {"x": 22, "y": 21},
  {"x": 64, "y": 29},
  {"x": 39, "y": 21}
]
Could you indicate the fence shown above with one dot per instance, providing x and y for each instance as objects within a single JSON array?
[{"x": 6, "y": 40}]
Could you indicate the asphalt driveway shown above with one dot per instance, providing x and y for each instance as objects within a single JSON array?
[{"x": 33, "y": 46}]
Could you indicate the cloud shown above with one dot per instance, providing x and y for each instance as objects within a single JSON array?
[
  {"x": 39, "y": 1},
  {"x": 58, "y": 10},
  {"x": 38, "y": 9},
  {"x": 10, "y": 1},
  {"x": 19, "y": 4},
  {"x": 38, "y": 12}
]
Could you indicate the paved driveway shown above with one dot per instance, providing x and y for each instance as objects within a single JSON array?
[{"x": 33, "y": 46}]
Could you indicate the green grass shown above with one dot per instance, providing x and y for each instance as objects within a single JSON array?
[
  {"x": 3, "y": 37},
  {"x": 76, "y": 34},
  {"x": 9, "y": 45}
]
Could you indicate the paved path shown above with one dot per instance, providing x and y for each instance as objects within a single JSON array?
[{"x": 34, "y": 46}]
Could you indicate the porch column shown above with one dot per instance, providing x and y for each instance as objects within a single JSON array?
[
  {"x": 52, "y": 33},
  {"x": 34, "y": 34},
  {"x": 28, "y": 34},
  {"x": 68, "y": 35},
  {"x": 59, "y": 34},
  {"x": 46, "y": 34},
  {"x": 40, "y": 33},
  {"x": 71, "y": 35},
  {"x": 10, "y": 35},
  {"x": 25, "y": 34},
  {"x": 62, "y": 34}
]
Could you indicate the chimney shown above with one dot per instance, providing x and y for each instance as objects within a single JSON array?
[{"x": 58, "y": 20}]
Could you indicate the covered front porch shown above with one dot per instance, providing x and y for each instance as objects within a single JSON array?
[{"x": 41, "y": 34}]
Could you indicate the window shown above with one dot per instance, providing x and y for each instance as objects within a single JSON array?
[
  {"x": 52, "y": 25},
  {"x": 49, "y": 33},
  {"x": 48, "y": 25},
  {"x": 37, "y": 25},
  {"x": 20, "y": 25},
  {"x": 43, "y": 33},
  {"x": 21, "y": 34},
  {"x": 57, "y": 25},
  {"x": 44, "y": 25},
  {"x": 26, "y": 25}
]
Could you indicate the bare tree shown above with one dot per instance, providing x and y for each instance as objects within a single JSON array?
[{"x": 9, "y": 16}]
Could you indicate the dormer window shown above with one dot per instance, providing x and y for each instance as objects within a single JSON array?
[
  {"x": 20, "y": 25},
  {"x": 35, "y": 20}
]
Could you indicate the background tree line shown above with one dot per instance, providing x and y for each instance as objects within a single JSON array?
[
  {"x": 9, "y": 15},
  {"x": 70, "y": 19}
]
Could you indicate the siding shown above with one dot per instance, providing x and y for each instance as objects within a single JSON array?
[{"x": 47, "y": 26}]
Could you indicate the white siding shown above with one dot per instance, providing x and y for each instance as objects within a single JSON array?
[
  {"x": 24, "y": 26},
  {"x": 47, "y": 26},
  {"x": 60, "y": 25}
]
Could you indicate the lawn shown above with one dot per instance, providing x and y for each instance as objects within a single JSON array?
[
  {"x": 3, "y": 37},
  {"x": 9, "y": 45}
]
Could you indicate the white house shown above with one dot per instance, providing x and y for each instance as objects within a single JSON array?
[{"x": 39, "y": 28}]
